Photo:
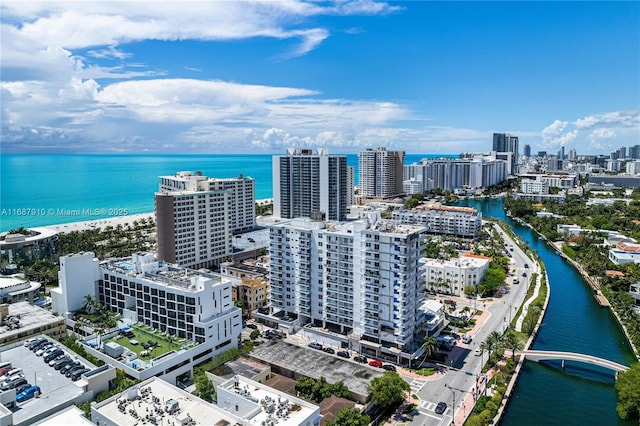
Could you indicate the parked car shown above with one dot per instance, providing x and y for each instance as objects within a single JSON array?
[
  {"x": 41, "y": 345},
  {"x": 328, "y": 350},
  {"x": 375, "y": 363},
  {"x": 77, "y": 373},
  {"x": 441, "y": 407},
  {"x": 21, "y": 388},
  {"x": 53, "y": 355},
  {"x": 252, "y": 326},
  {"x": 11, "y": 372},
  {"x": 36, "y": 342},
  {"x": 13, "y": 382},
  {"x": 361, "y": 359},
  {"x": 69, "y": 366},
  {"x": 27, "y": 394},
  {"x": 477, "y": 352},
  {"x": 466, "y": 338},
  {"x": 74, "y": 370},
  {"x": 5, "y": 365},
  {"x": 62, "y": 362},
  {"x": 5, "y": 370},
  {"x": 343, "y": 354},
  {"x": 315, "y": 345},
  {"x": 46, "y": 349},
  {"x": 526, "y": 265},
  {"x": 389, "y": 367}
]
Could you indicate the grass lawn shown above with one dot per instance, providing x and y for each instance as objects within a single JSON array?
[{"x": 143, "y": 335}]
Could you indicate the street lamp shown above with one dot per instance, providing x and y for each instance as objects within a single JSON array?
[{"x": 453, "y": 392}]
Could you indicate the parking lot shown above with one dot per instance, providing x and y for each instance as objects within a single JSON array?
[{"x": 56, "y": 388}]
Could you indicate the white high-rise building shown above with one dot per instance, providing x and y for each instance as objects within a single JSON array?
[
  {"x": 361, "y": 279},
  {"x": 307, "y": 184},
  {"x": 242, "y": 198},
  {"x": 196, "y": 216},
  {"x": 481, "y": 171},
  {"x": 380, "y": 173}
]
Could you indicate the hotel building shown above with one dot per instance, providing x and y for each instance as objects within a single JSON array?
[
  {"x": 169, "y": 299},
  {"x": 196, "y": 216},
  {"x": 306, "y": 184},
  {"x": 380, "y": 173}
]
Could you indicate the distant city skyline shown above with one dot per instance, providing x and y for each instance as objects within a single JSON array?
[{"x": 259, "y": 77}]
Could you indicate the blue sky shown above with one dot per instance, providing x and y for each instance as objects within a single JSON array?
[{"x": 234, "y": 77}]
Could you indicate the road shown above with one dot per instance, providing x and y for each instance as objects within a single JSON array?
[{"x": 460, "y": 381}]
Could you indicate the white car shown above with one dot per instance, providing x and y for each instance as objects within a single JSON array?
[{"x": 477, "y": 352}]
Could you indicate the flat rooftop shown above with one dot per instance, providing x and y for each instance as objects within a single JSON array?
[
  {"x": 274, "y": 406},
  {"x": 26, "y": 316},
  {"x": 152, "y": 397},
  {"x": 315, "y": 364},
  {"x": 164, "y": 274}
]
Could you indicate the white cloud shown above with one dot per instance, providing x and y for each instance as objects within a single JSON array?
[{"x": 595, "y": 132}]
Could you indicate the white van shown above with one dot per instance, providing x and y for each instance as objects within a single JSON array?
[
  {"x": 466, "y": 338},
  {"x": 11, "y": 372}
]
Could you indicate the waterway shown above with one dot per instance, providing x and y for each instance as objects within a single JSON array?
[{"x": 581, "y": 394}]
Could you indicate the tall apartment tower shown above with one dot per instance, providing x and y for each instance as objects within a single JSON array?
[
  {"x": 504, "y": 142},
  {"x": 380, "y": 173},
  {"x": 363, "y": 279},
  {"x": 196, "y": 217},
  {"x": 527, "y": 150},
  {"x": 307, "y": 184}
]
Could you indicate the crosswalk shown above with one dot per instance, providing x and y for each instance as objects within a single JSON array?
[{"x": 417, "y": 384}]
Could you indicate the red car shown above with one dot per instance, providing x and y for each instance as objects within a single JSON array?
[{"x": 375, "y": 363}]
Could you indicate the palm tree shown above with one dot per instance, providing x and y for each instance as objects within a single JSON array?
[
  {"x": 88, "y": 303},
  {"x": 492, "y": 342},
  {"x": 513, "y": 342},
  {"x": 429, "y": 346}
]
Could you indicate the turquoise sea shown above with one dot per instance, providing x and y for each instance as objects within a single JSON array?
[{"x": 38, "y": 190}]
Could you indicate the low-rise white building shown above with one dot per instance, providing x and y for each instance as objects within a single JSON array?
[
  {"x": 625, "y": 252},
  {"x": 241, "y": 402},
  {"x": 178, "y": 302},
  {"x": 452, "y": 276}
]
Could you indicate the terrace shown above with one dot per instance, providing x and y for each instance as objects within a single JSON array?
[{"x": 148, "y": 343}]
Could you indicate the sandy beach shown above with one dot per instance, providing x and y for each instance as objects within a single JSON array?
[
  {"x": 115, "y": 221},
  {"x": 100, "y": 223}
]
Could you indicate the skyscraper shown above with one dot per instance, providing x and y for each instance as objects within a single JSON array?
[
  {"x": 380, "y": 173},
  {"x": 527, "y": 150},
  {"x": 504, "y": 142},
  {"x": 197, "y": 215},
  {"x": 307, "y": 184}
]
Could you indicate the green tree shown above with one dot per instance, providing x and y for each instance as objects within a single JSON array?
[
  {"x": 388, "y": 390},
  {"x": 429, "y": 346},
  {"x": 350, "y": 417},
  {"x": 512, "y": 341},
  {"x": 254, "y": 334},
  {"x": 491, "y": 343},
  {"x": 204, "y": 387},
  {"x": 628, "y": 388}
]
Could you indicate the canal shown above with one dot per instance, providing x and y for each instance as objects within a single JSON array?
[{"x": 581, "y": 394}]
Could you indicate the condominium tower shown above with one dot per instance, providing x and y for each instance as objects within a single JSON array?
[
  {"x": 197, "y": 215},
  {"x": 380, "y": 173},
  {"x": 360, "y": 278},
  {"x": 504, "y": 142},
  {"x": 307, "y": 184}
]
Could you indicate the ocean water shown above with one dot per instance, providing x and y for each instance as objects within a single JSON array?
[{"x": 38, "y": 190}]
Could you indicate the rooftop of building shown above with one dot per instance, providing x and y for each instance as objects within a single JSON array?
[
  {"x": 155, "y": 401},
  {"x": 71, "y": 415},
  {"x": 159, "y": 272},
  {"x": 32, "y": 234},
  {"x": 243, "y": 266},
  {"x": 14, "y": 284},
  {"x": 23, "y": 315},
  {"x": 460, "y": 262},
  {"x": 316, "y": 364},
  {"x": 274, "y": 406},
  {"x": 439, "y": 207},
  {"x": 629, "y": 247},
  {"x": 241, "y": 366}
]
